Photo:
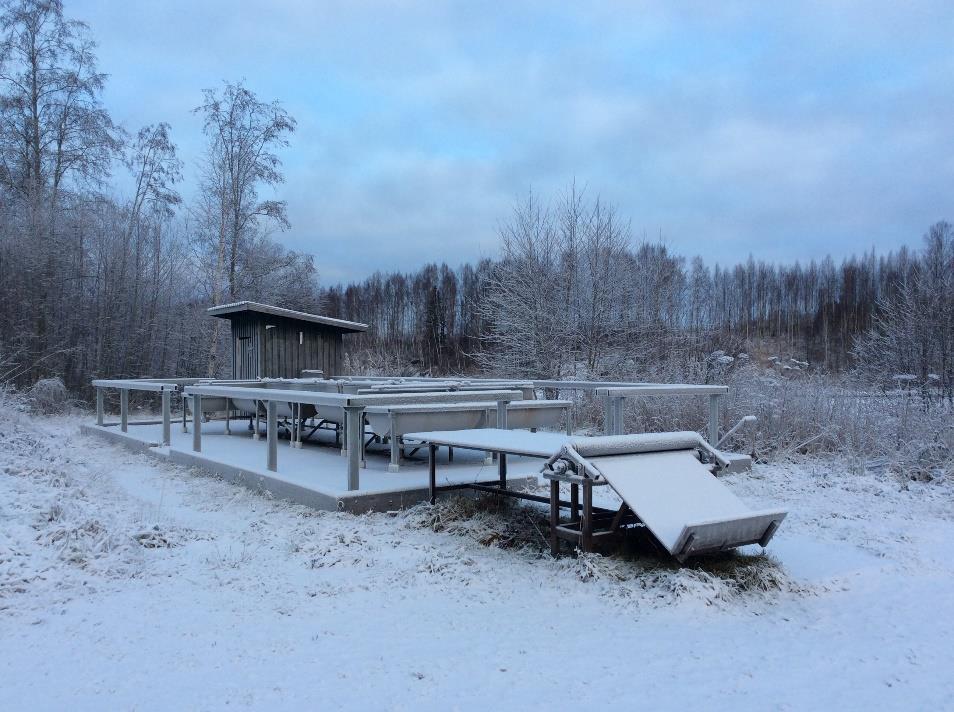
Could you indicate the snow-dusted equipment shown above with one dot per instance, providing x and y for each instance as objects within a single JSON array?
[
  {"x": 394, "y": 421},
  {"x": 667, "y": 485}
]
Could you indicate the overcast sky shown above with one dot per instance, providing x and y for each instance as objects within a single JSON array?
[{"x": 728, "y": 128}]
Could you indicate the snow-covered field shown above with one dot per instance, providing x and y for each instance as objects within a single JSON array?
[{"x": 130, "y": 584}]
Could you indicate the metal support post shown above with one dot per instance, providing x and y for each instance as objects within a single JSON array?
[
  {"x": 166, "y": 418},
  {"x": 618, "y": 416},
  {"x": 354, "y": 416},
  {"x": 271, "y": 435},
  {"x": 124, "y": 409},
  {"x": 502, "y": 415},
  {"x": 432, "y": 472},
  {"x": 100, "y": 408},
  {"x": 608, "y": 428},
  {"x": 714, "y": 406},
  {"x": 196, "y": 423},
  {"x": 395, "y": 464}
]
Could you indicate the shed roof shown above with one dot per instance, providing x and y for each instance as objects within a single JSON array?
[{"x": 227, "y": 311}]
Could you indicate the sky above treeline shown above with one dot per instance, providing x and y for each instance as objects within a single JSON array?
[{"x": 784, "y": 130}]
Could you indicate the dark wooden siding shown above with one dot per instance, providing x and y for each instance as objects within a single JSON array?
[{"x": 273, "y": 347}]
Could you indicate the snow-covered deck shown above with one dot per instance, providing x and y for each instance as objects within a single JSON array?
[{"x": 316, "y": 474}]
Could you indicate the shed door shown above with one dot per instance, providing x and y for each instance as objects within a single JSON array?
[{"x": 244, "y": 358}]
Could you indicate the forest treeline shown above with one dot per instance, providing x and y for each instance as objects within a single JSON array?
[
  {"x": 99, "y": 281},
  {"x": 572, "y": 296}
]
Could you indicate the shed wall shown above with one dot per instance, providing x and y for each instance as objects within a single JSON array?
[{"x": 273, "y": 347}]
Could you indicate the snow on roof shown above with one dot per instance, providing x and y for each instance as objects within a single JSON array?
[{"x": 225, "y": 310}]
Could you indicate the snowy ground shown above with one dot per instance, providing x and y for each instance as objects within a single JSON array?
[{"x": 130, "y": 584}]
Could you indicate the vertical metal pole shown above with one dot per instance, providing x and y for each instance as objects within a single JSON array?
[
  {"x": 196, "y": 423},
  {"x": 432, "y": 471},
  {"x": 124, "y": 409},
  {"x": 99, "y": 406},
  {"x": 166, "y": 417},
  {"x": 299, "y": 423},
  {"x": 714, "y": 403},
  {"x": 343, "y": 426},
  {"x": 608, "y": 416},
  {"x": 569, "y": 420},
  {"x": 502, "y": 469},
  {"x": 502, "y": 415},
  {"x": 618, "y": 416},
  {"x": 271, "y": 435},
  {"x": 258, "y": 407},
  {"x": 185, "y": 427},
  {"x": 554, "y": 516},
  {"x": 228, "y": 424},
  {"x": 353, "y": 437},
  {"x": 395, "y": 464}
]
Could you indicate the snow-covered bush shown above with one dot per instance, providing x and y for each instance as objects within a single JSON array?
[{"x": 48, "y": 396}]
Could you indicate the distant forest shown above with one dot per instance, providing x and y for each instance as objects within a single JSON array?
[
  {"x": 95, "y": 282},
  {"x": 561, "y": 302}
]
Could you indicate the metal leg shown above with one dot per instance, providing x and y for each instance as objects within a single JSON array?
[
  {"x": 395, "y": 464},
  {"x": 502, "y": 469},
  {"x": 608, "y": 428},
  {"x": 271, "y": 435},
  {"x": 554, "y": 516},
  {"x": 124, "y": 409},
  {"x": 166, "y": 418},
  {"x": 396, "y": 448},
  {"x": 450, "y": 453},
  {"x": 354, "y": 416},
  {"x": 364, "y": 443},
  {"x": 185, "y": 427},
  {"x": 228, "y": 424},
  {"x": 714, "y": 404},
  {"x": 196, "y": 423},
  {"x": 100, "y": 408},
  {"x": 255, "y": 435},
  {"x": 502, "y": 415},
  {"x": 432, "y": 471}
]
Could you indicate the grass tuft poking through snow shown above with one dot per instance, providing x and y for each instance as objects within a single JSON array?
[{"x": 626, "y": 572}]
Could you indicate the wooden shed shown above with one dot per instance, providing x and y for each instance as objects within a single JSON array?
[{"x": 272, "y": 342}]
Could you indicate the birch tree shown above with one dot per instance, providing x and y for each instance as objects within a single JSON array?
[{"x": 244, "y": 135}]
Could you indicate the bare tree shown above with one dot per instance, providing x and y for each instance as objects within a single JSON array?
[
  {"x": 53, "y": 130},
  {"x": 243, "y": 134}
]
